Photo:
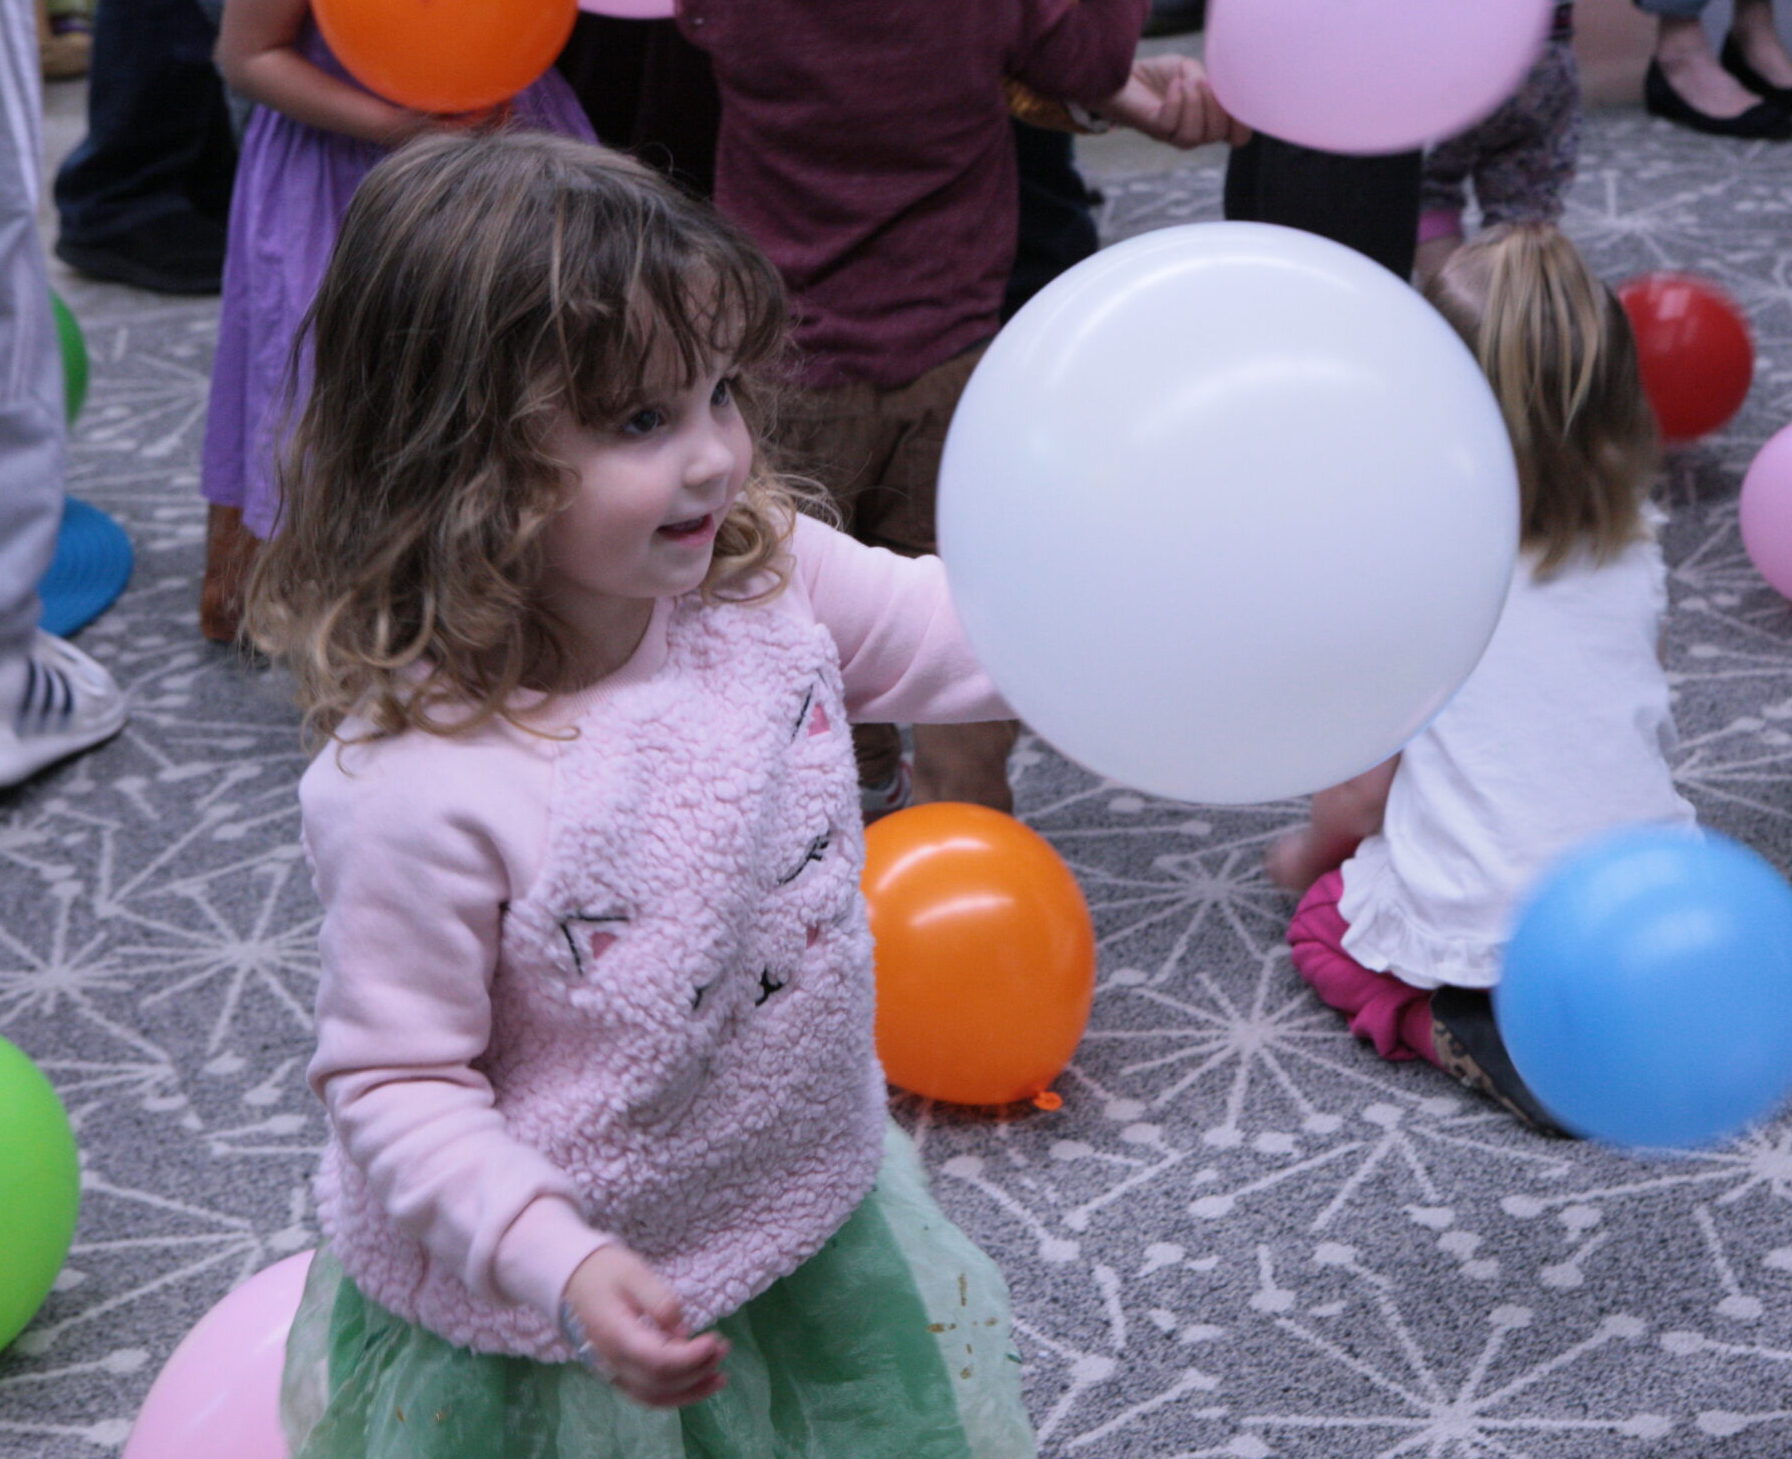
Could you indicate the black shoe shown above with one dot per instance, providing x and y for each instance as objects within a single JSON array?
[
  {"x": 1730, "y": 58},
  {"x": 1762, "y": 120},
  {"x": 179, "y": 254},
  {"x": 1471, "y": 1051}
]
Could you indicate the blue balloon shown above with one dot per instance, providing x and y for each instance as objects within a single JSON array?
[{"x": 1647, "y": 990}]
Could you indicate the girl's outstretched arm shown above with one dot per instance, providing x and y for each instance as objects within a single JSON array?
[
  {"x": 258, "y": 52},
  {"x": 1340, "y": 818},
  {"x": 903, "y": 652}
]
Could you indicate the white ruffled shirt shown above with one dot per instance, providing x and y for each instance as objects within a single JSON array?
[{"x": 1562, "y": 731}]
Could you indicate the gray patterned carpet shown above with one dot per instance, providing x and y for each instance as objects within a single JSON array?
[{"x": 1241, "y": 1236}]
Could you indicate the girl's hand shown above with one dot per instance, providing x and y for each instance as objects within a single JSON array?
[
  {"x": 407, "y": 124},
  {"x": 258, "y": 52},
  {"x": 628, "y": 1327},
  {"x": 489, "y": 119}
]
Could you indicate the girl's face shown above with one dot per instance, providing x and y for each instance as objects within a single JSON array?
[{"x": 652, "y": 489}]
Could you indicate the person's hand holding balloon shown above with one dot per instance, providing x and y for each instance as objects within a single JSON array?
[{"x": 1169, "y": 99}]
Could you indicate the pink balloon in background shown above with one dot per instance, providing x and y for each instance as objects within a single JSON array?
[
  {"x": 218, "y": 1396},
  {"x": 1370, "y": 75},
  {"x": 631, "y": 9},
  {"x": 1765, "y": 512}
]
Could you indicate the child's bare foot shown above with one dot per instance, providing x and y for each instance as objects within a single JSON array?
[
  {"x": 1342, "y": 815},
  {"x": 1294, "y": 863}
]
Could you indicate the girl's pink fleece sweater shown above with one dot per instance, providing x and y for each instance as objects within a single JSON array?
[{"x": 616, "y": 984}]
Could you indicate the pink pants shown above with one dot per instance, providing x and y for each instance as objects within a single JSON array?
[{"x": 1392, "y": 1015}]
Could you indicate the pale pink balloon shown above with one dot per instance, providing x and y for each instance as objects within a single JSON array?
[
  {"x": 218, "y": 1396},
  {"x": 1765, "y": 512},
  {"x": 631, "y": 9},
  {"x": 1369, "y": 76}
]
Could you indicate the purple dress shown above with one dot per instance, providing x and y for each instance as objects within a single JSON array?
[{"x": 293, "y": 185}]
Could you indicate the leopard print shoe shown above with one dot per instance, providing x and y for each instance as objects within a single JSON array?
[{"x": 1470, "y": 1050}]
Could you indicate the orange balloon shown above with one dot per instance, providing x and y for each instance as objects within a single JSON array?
[
  {"x": 985, "y": 954},
  {"x": 446, "y": 55}
]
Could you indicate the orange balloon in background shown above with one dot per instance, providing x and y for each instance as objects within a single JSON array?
[
  {"x": 446, "y": 55},
  {"x": 985, "y": 954}
]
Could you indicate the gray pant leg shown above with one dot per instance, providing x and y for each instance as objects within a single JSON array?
[{"x": 31, "y": 403}]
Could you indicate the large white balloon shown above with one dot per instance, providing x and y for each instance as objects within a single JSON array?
[{"x": 1229, "y": 512}]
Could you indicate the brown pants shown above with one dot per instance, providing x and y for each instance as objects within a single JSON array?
[{"x": 877, "y": 451}]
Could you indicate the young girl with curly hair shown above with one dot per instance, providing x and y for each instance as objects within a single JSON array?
[{"x": 609, "y": 1168}]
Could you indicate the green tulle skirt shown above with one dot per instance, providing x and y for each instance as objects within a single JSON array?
[{"x": 892, "y": 1342}]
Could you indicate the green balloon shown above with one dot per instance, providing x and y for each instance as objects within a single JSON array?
[
  {"x": 40, "y": 1189},
  {"x": 74, "y": 356}
]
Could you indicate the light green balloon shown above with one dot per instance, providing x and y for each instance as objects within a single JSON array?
[{"x": 40, "y": 1189}]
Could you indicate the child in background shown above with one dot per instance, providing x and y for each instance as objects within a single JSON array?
[
  {"x": 610, "y": 1172},
  {"x": 312, "y": 138},
  {"x": 1411, "y": 871},
  {"x": 1521, "y": 159}
]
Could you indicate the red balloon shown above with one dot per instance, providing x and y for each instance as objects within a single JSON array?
[
  {"x": 1694, "y": 349},
  {"x": 446, "y": 56}
]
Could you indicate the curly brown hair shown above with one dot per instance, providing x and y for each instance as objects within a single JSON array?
[
  {"x": 482, "y": 288},
  {"x": 1557, "y": 348}
]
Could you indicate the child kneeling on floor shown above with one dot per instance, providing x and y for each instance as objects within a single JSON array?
[{"x": 1411, "y": 872}]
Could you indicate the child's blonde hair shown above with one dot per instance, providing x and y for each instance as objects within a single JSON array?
[
  {"x": 1557, "y": 348},
  {"x": 482, "y": 288}
]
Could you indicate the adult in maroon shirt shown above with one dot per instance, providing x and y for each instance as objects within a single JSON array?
[{"x": 867, "y": 147}]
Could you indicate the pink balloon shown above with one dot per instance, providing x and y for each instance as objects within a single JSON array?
[
  {"x": 631, "y": 9},
  {"x": 1765, "y": 512},
  {"x": 1370, "y": 75},
  {"x": 218, "y": 1396}
]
